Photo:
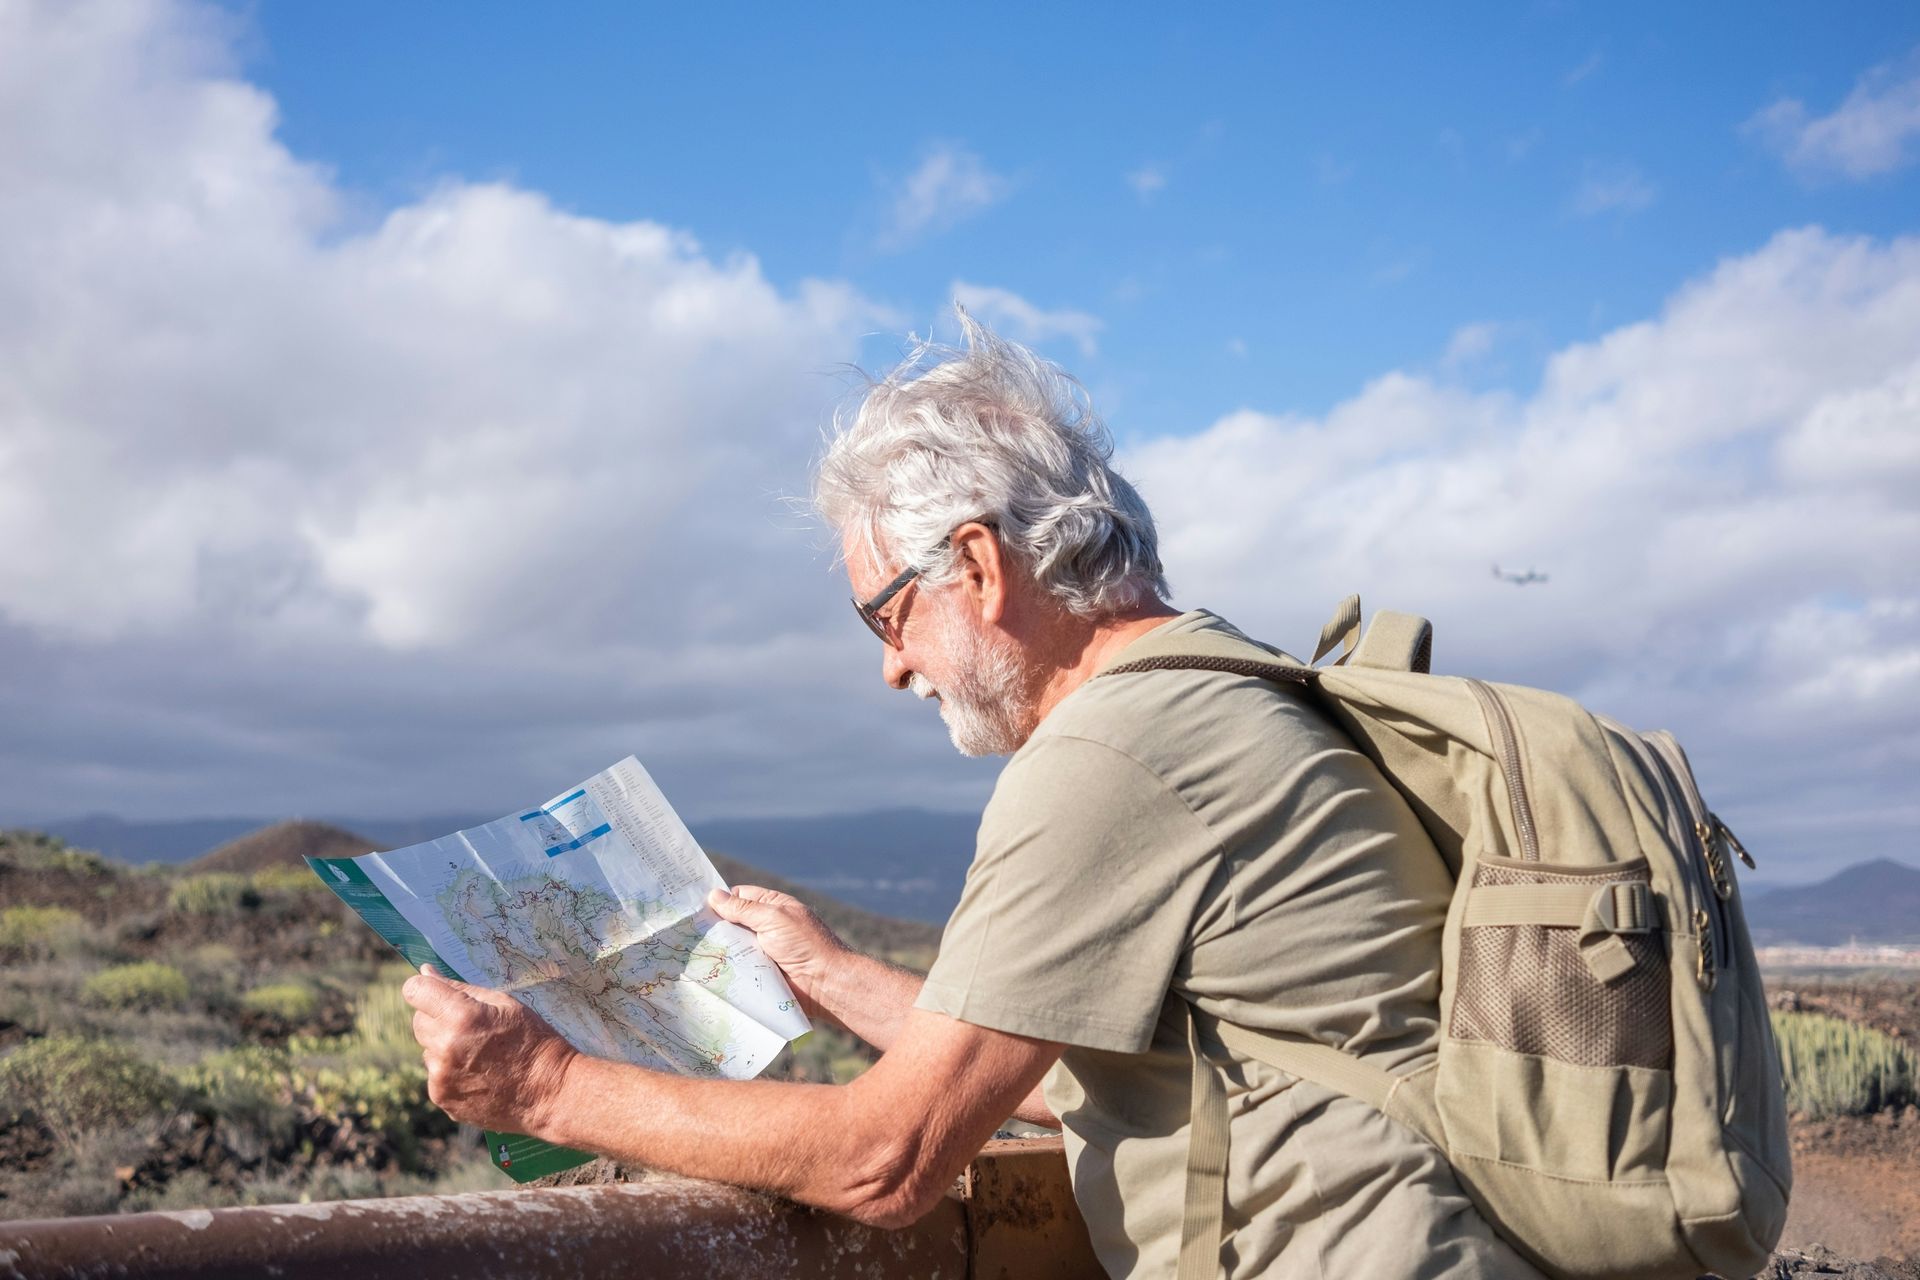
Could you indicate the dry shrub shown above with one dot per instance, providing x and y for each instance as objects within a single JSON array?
[
  {"x": 41, "y": 933},
  {"x": 79, "y": 1087},
  {"x": 38, "y": 851},
  {"x": 217, "y": 893},
  {"x": 286, "y": 880},
  {"x": 289, "y": 1001},
  {"x": 143, "y": 985}
]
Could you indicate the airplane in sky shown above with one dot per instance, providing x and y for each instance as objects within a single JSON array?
[{"x": 1519, "y": 579}]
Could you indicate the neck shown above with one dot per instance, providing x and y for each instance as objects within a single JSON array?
[{"x": 1091, "y": 646}]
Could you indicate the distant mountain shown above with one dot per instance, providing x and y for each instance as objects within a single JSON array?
[
  {"x": 184, "y": 839},
  {"x": 1873, "y": 903},
  {"x": 899, "y": 862},
  {"x": 904, "y": 863}
]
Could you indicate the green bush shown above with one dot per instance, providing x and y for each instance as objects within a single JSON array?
[
  {"x": 257, "y": 1086},
  {"x": 288, "y": 1001},
  {"x": 213, "y": 963},
  {"x": 43, "y": 852},
  {"x": 383, "y": 1025},
  {"x": 1833, "y": 1067},
  {"x": 40, "y": 933},
  {"x": 217, "y": 893},
  {"x": 251, "y": 1089},
  {"x": 286, "y": 880},
  {"x": 80, "y": 1086},
  {"x": 144, "y": 985}
]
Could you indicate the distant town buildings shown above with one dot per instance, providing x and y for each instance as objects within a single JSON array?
[{"x": 1851, "y": 956}]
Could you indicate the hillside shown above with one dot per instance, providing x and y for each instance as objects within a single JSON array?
[
  {"x": 228, "y": 1032},
  {"x": 282, "y": 844},
  {"x": 1871, "y": 902},
  {"x": 906, "y": 863}
]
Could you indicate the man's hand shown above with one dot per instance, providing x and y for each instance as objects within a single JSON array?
[
  {"x": 491, "y": 1061},
  {"x": 790, "y": 934}
]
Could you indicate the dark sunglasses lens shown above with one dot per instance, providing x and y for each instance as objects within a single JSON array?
[{"x": 872, "y": 620}]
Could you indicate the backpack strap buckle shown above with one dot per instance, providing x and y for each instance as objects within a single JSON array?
[{"x": 1621, "y": 906}]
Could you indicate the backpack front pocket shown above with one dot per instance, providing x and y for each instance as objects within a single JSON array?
[{"x": 1535, "y": 988}]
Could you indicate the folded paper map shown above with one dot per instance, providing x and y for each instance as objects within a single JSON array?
[{"x": 592, "y": 911}]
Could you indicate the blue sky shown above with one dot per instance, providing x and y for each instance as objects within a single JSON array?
[
  {"x": 400, "y": 404},
  {"x": 1343, "y": 189}
]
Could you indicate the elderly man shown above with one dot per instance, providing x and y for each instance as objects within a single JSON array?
[{"x": 1164, "y": 848}]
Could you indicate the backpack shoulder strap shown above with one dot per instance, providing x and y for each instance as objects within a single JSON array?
[
  {"x": 1211, "y": 651},
  {"x": 1393, "y": 642},
  {"x": 1401, "y": 1097}
]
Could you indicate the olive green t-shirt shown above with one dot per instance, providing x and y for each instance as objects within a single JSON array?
[{"x": 1202, "y": 836}]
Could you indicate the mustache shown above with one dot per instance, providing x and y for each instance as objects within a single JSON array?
[{"x": 921, "y": 686}]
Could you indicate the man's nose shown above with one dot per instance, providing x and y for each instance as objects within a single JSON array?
[{"x": 893, "y": 667}]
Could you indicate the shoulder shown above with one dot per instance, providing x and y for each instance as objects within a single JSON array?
[{"x": 1157, "y": 718}]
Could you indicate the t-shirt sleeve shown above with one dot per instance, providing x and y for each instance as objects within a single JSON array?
[{"x": 1079, "y": 902}]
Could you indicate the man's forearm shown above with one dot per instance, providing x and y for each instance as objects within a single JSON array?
[
  {"x": 868, "y": 997},
  {"x": 871, "y": 998},
  {"x": 797, "y": 1140},
  {"x": 882, "y": 1149}
]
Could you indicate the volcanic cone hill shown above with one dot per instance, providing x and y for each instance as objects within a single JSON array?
[{"x": 282, "y": 844}]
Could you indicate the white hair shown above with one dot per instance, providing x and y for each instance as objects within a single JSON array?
[{"x": 991, "y": 432}]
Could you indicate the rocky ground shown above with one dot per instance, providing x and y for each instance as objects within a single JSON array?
[{"x": 1818, "y": 1260}]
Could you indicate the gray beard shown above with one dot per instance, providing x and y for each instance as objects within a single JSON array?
[{"x": 985, "y": 704}]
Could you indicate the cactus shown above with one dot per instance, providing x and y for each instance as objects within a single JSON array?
[{"x": 1833, "y": 1067}]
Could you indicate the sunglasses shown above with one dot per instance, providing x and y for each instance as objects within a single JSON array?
[{"x": 869, "y": 610}]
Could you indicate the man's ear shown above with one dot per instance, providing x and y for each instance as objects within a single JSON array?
[{"x": 983, "y": 570}]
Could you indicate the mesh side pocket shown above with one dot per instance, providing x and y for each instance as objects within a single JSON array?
[{"x": 1526, "y": 988}]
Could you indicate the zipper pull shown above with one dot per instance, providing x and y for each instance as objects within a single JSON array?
[
  {"x": 1733, "y": 841},
  {"x": 1716, "y": 863},
  {"x": 1703, "y": 931}
]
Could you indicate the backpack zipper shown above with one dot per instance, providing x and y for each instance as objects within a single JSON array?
[
  {"x": 1733, "y": 841},
  {"x": 1666, "y": 749},
  {"x": 1506, "y": 738},
  {"x": 1699, "y": 892}
]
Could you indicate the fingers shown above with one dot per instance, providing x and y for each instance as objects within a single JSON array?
[
  {"x": 757, "y": 914},
  {"x": 754, "y": 893},
  {"x": 434, "y": 995}
]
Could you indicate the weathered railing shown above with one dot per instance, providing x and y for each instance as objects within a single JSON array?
[{"x": 1012, "y": 1215}]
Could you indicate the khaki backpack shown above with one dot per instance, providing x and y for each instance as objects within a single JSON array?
[{"x": 1606, "y": 1084}]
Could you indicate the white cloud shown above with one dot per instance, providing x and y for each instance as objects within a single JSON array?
[
  {"x": 1591, "y": 64},
  {"x": 1013, "y": 315},
  {"x": 1620, "y": 188},
  {"x": 1398, "y": 269},
  {"x": 1470, "y": 342},
  {"x": 478, "y": 494},
  {"x": 1521, "y": 145},
  {"x": 1722, "y": 496},
  {"x": 950, "y": 185},
  {"x": 300, "y": 515},
  {"x": 1866, "y": 135},
  {"x": 1147, "y": 181}
]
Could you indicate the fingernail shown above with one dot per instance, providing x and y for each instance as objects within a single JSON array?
[{"x": 717, "y": 896}]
